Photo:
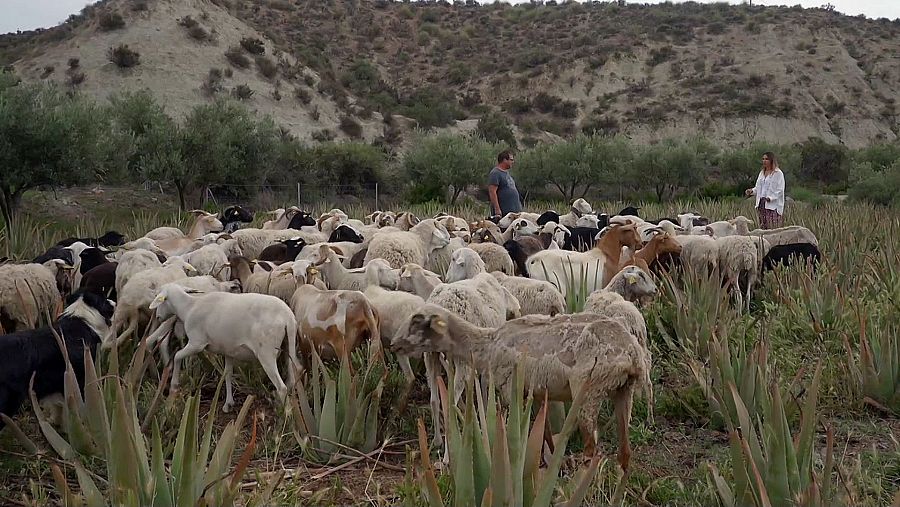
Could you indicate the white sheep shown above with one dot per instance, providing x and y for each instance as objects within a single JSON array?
[
  {"x": 507, "y": 220},
  {"x": 280, "y": 282},
  {"x": 137, "y": 294},
  {"x": 417, "y": 280},
  {"x": 590, "y": 221},
  {"x": 699, "y": 253},
  {"x": 337, "y": 277},
  {"x": 632, "y": 283},
  {"x": 218, "y": 322},
  {"x": 457, "y": 227},
  {"x": 465, "y": 263},
  {"x": 495, "y": 257},
  {"x": 535, "y": 297},
  {"x": 210, "y": 260},
  {"x": 740, "y": 255},
  {"x": 253, "y": 241},
  {"x": 786, "y": 235},
  {"x": 204, "y": 222},
  {"x": 27, "y": 293},
  {"x": 480, "y": 300},
  {"x": 413, "y": 246},
  {"x": 579, "y": 207},
  {"x": 133, "y": 262},
  {"x": 736, "y": 226}
]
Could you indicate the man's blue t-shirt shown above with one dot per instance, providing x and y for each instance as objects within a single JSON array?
[{"x": 507, "y": 194}]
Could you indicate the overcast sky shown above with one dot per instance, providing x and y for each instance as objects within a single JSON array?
[{"x": 30, "y": 14}]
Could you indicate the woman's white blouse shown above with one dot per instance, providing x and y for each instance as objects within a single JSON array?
[{"x": 771, "y": 186}]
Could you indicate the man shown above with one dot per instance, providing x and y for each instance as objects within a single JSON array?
[{"x": 502, "y": 188}]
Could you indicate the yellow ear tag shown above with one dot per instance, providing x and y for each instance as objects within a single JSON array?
[
  {"x": 440, "y": 323},
  {"x": 631, "y": 281}
]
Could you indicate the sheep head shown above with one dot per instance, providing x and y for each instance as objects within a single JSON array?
[
  {"x": 427, "y": 331},
  {"x": 581, "y": 207}
]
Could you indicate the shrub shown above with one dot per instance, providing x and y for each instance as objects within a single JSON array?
[
  {"x": 199, "y": 33},
  {"x": 323, "y": 136},
  {"x": 253, "y": 45},
  {"x": 660, "y": 55},
  {"x": 188, "y": 22},
  {"x": 213, "y": 82},
  {"x": 237, "y": 57},
  {"x": 494, "y": 128},
  {"x": 266, "y": 67},
  {"x": 75, "y": 78},
  {"x": 123, "y": 56},
  {"x": 600, "y": 125},
  {"x": 518, "y": 105},
  {"x": 47, "y": 71},
  {"x": 242, "y": 92},
  {"x": 111, "y": 21},
  {"x": 302, "y": 95},
  {"x": 350, "y": 126},
  {"x": 74, "y": 63},
  {"x": 545, "y": 103},
  {"x": 228, "y": 72},
  {"x": 139, "y": 5}
]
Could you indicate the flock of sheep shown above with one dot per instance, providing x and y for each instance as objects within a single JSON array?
[{"x": 484, "y": 295}]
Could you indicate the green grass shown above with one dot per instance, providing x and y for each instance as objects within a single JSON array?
[{"x": 805, "y": 318}]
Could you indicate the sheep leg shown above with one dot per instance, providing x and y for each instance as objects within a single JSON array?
[
  {"x": 192, "y": 348},
  {"x": 269, "y": 363},
  {"x": 435, "y": 398},
  {"x": 229, "y": 394},
  {"x": 132, "y": 327},
  {"x": 622, "y": 399},
  {"x": 410, "y": 378}
]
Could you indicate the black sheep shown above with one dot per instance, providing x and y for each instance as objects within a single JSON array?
[
  {"x": 234, "y": 216},
  {"x": 284, "y": 251},
  {"x": 346, "y": 233},
  {"x": 36, "y": 351},
  {"x": 787, "y": 254},
  {"x": 101, "y": 280},
  {"x": 56, "y": 252},
  {"x": 91, "y": 258},
  {"x": 630, "y": 210},
  {"x": 548, "y": 216},
  {"x": 110, "y": 238},
  {"x": 520, "y": 250},
  {"x": 301, "y": 219},
  {"x": 358, "y": 258},
  {"x": 582, "y": 238}
]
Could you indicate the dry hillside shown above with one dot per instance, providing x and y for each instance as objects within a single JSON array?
[{"x": 733, "y": 73}]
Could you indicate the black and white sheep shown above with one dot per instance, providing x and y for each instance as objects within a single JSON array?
[{"x": 790, "y": 253}]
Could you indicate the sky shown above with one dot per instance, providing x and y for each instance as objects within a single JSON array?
[{"x": 31, "y": 14}]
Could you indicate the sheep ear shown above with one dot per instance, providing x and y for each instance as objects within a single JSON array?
[
  {"x": 438, "y": 324},
  {"x": 160, "y": 299}
]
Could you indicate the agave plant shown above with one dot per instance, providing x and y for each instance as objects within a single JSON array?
[
  {"x": 494, "y": 458},
  {"x": 770, "y": 465},
  {"x": 877, "y": 370},
  {"x": 575, "y": 283},
  {"x": 105, "y": 423},
  {"x": 334, "y": 416}
]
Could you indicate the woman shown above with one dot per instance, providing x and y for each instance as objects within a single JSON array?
[{"x": 769, "y": 192}]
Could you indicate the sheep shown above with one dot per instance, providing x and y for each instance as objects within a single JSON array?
[
  {"x": 507, "y": 220},
  {"x": 519, "y": 251},
  {"x": 210, "y": 260},
  {"x": 283, "y": 251},
  {"x": 218, "y": 322},
  {"x": 283, "y": 219},
  {"x": 588, "y": 221},
  {"x": 253, "y": 241},
  {"x": 27, "y": 293},
  {"x": 740, "y": 256},
  {"x": 132, "y": 263},
  {"x": 595, "y": 267},
  {"x": 280, "y": 282},
  {"x": 345, "y": 233},
  {"x": 485, "y": 231},
  {"x": 136, "y": 295},
  {"x": 535, "y": 297},
  {"x": 480, "y": 300},
  {"x": 787, "y": 254},
  {"x": 36, "y": 354},
  {"x": 418, "y": 280},
  {"x": 381, "y": 218},
  {"x": 101, "y": 280},
  {"x": 632, "y": 283},
  {"x": 579, "y": 207},
  {"x": 337, "y": 277},
  {"x": 108, "y": 239},
  {"x": 699, "y": 253},
  {"x": 554, "y": 234},
  {"x": 583, "y": 239},
  {"x": 559, "y": 356},
  {"x": 659, "y": 246},
  {"x": 547, "y": 216},
  {"x": 465, "y": 263},
  {"x": 415, "y": 245},
  {"x": 334, "y": 322},
  {"x": 56, "y": 252},
  {"x": 495, "y": 257},
  {"x": 518, "y": 228},
  {"x": 204, "y": 223},
  {"x": 786, "y": 235},
  {"x": 736, "y": 226},
  {"x": 90, "y": 259},
  {"x": 233, "y": 217}
]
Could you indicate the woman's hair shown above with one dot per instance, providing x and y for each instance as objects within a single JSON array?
[{"x": 772, "y": 158}]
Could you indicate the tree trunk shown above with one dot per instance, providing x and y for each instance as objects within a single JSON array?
[
  {"x": 10, "y": 201},
  {"x": 456, "y": 192},
  {"x": 179, "y": 186}
]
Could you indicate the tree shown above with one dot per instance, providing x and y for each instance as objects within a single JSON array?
[
  {"x": 669, "y": 166},
  {"x": 46, "y": 138},
  {"x": 574, "y": 167},
  {"x": 438, "y": 163},
  {"x": 493, "y": 128}
]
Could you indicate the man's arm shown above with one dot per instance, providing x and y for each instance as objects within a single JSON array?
[{"x": 495, "y": 203}]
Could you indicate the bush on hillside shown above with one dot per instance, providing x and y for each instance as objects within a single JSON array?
[
  {"x": 266, "y": 67},
  {"x": 111, "y": 21},
  {"x": 351, "y": 126},
  {"x": 253, "y": 45},
  {"x": 242, "y": 92},
  {"x": 237, "y": 57},
  {"x": 123, "y": 56},
  {"x": 494, "y": 128}
]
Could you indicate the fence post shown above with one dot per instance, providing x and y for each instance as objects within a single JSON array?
[
  {"x": 376, "y": 197},
  {"x": 298, "y": 194}
]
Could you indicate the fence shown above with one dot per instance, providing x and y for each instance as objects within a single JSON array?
[{"x": 298, "y": 194}]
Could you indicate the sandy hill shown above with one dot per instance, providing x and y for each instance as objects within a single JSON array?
[{"x": 733, "y": 73}]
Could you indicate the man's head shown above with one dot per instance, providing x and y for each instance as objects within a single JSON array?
[{"x": 505, "y": 160}]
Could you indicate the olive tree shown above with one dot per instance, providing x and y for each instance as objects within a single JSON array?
[
  {"x": 436, "y": 164},
  {"x": 46, "y": 138}
]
